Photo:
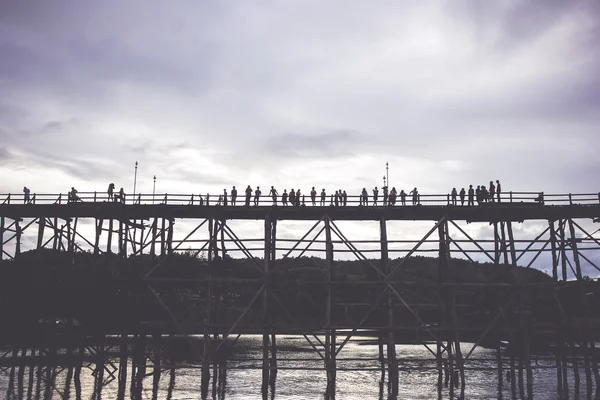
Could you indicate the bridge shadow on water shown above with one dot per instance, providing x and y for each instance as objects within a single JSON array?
[{"x": 158, "y": 368}]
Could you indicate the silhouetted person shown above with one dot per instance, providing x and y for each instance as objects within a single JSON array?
[
  {"x": 207, "y": 199},
  {"x": 225, "y": 197},
  {"x": 313, "y": 196},
  {"x": 375, "y": 195},
  {"x": 385, "y": 195},
  {"x": 292, "y": 197},
  {"x": 337, "y": 198},
  {"x": 415, "y": 196},
  {"x": 298, "y": 194},
  {"x": 120, "y": 196},
  {"x": 248, "y": 195},
  {"x": 274, "y": 195},
  {"x": 393, "y": 195},
  {"x": 331, "y": 203},
  {"x": 492, "y": 191},
  {"x": 220, "y": 200},
  {"x": 471, "y": 200},
  {"x": 462, "y": 196},
  {"x": 498, "y": 190},
  {"x": 344, "y": 197},
  {"x": 110, "y": 191},
  {"x": 73, "y": 196},
  {"x": 323, "y": 197},
  {"x": 453, "y": 196},
  {"x": 478, "y": 195},
  {"x": 484, "y": 194},
  {"x": 26, "y": 192},
  {"x": 257, "y": 194},
  {"x": 402, "y": 197},
  {"x": 364, "y": 197},
  {"x": 233, "y": 195},
  {"x": 303, "y": 200},
  {"x": 284, "y": 197}
]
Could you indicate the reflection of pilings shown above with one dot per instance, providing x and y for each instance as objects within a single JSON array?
[
  {"x": 391, "y": 345},
  {"x": 265, "y": 306},
  {"x": 140, "y": 361},
  {"x": 123, "y": 359},
  {"x": 330, "y": 346},
  {"x": 156, "y": 340}
]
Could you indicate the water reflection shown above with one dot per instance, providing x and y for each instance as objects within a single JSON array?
[{"x": 147, "y": 370}]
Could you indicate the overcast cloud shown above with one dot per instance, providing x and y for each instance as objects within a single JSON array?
[{"x": 210, "y": 94}]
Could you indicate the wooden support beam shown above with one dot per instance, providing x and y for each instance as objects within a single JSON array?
[
  {"x": 330, "y": 350},
  {"x": 391, "y": 345},
  {"x": 265, "y": 305},
  {"x": 153, "y": 237},
  {"x": 99, "y": 223},
  {"x": 563, "y": 251},
  {"x": 18, "y": 238},
  {"x": 573, "y": 243},
  {"x": 110, "y": 233},
  {"x": 41, "y": 226},
  {"x": 1, "y": 238},
  {"x": 555, "y": 256}
]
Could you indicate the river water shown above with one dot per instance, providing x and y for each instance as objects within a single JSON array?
[{"x": 359, "y": 377}]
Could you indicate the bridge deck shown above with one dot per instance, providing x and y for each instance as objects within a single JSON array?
[{"x": 485, "y": 212}]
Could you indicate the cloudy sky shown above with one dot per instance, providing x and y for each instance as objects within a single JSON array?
[{"x": 209, "y": 94}]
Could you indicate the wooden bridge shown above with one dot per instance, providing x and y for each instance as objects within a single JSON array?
[{"x": 555, "y": 232}]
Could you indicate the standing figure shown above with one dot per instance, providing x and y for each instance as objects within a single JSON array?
[
  {"x": 344, "y": 198},
  {"x": 385, "y": 195},
  {"x": 364, "y": 198},
  {"x": 26, "y": 192},
  {"x": 478, "y": 195},
  {"x": 323, "y": 197},
  {"x": 225, "y": 197},
  {"x": 403, "y": 197},
  {"x": 498, "y": 189},
  {"x": 313, "y": 196},
  {"x": 470, "y": 201},
  {"x": 298, "y": 194},
  {"x": 110, "y": 191},
  {"x": 492, "y": 191},
  {"x": 248, "y": 195},
  {"x": 284, "y": 197},
  {"x": 337, "y": 198},
  {"x": 484, "y": 194},
  {"x": 274, "y": 195},
  {"x": 257, "y": 194},
  {"x": 73, "y": 196},
  {"x": 453, "y": 195},
  {"x": 393, "y": 195},
  {"x": 121, "y": 195},
  {"x": 292, "y": 197},
  {"x": 233, "y": 195},
  {"x": 415, "y": 196},
  {"x": 375, "y": 195},
  {"x": 462, "y": 196}
]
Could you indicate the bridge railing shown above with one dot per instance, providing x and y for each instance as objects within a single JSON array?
[{"x": 445, "y": 199}]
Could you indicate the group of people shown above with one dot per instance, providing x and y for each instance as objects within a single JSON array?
[
  {"x": 481, "y": 194},
  {"x": 297, "y": 198}
]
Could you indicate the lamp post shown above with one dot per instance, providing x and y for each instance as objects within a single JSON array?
[
  {"x": 135, "y": 179},
  {"x": 387, "y": 173},
  {"x": 153, "y": 189}
]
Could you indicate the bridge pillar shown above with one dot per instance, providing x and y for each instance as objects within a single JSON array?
[
  {"x": 1, "y": 238},
  {"x": 391, "y": 343},
  {"x": 41, "y": 226},
  {"x": 330, "y": 342}
]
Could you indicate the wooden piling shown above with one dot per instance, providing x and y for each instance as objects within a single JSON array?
[
  {"x": 110, "y": 233},
  {"x": 18, "y": 238},
  {"x": 391, "y": 345},
  {"x": 99, "y": 223},
  {"x": 265, "y": 304},
  {"x": 41, "y": 226},
  {"x": 1, "y": 238}
]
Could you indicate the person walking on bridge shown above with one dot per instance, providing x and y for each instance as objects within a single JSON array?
[
  {"x": 110, "y": 191},
  {"x": 225, "y": 197},
  {"x": 284, "y": 197},
  {"x": 453, "y": 196},
  {"x": 248, "y": 195},
  {"x": 415, "y": 196},
  {"x": 344, "y": 198},
  {"x": 364, "y": 198},
  {"x": 385, "y": 195},
  {"x": 233, "y": 195},
  {"x": 292, "y": 197},
  {"x": 298, "y": 194},
  {"x": 498, "y": 189},
  {"x": 462, "y": 196},
  {"x": 492, "y": 191},
  {"x": 375, "y": 195},
  {"x": 470, "y": 201},
  {"x": 26, "y": 192},
  {"x": 257, "y": 194},
  {"x": 323, "y": 197},
  {"x": 313, "y": 196},
  {"x": 274, "y": 195}
]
